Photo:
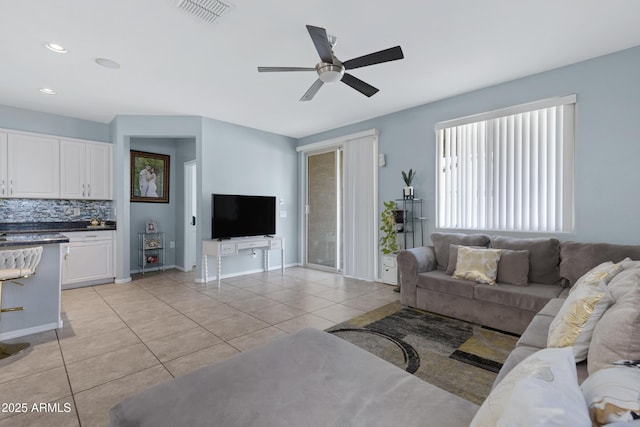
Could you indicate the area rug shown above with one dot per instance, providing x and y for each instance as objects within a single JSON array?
[{"x": 457, "y": 356}]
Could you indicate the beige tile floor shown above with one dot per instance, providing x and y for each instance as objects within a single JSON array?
[{"x": 119, "y": 339}]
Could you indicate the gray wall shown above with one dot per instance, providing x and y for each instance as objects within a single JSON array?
[
  {"x": 607, "y": 140},
  {"x": 163, "y": 213}
]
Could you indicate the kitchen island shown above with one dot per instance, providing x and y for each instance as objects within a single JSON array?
[{"x": 40, "y": 295}]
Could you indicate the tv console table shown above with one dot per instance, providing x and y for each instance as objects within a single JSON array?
[{"x": 222, "y": 248}]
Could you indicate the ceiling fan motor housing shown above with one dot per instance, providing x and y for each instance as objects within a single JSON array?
[{"x": 329, "y": 73}]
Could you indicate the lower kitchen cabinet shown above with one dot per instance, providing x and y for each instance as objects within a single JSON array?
[{"x": 88, "y": 258}]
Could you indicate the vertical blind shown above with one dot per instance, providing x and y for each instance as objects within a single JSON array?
[{"x": 510, "y": 169}]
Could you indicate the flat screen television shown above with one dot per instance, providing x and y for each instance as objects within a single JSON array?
[{"x": 237, "y": 215}]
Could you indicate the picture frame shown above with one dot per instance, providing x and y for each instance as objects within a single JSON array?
[
  {"x": 149, "y": 177},
  {"x": 151, "y": 226}
]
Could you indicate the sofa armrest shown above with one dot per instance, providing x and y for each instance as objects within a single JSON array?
[{"x": 410, "y": 263}]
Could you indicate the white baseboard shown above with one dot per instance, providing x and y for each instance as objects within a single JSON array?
[
  {"x": 244, "y": 273},
  {"x": 125, "y": 280},
  {"x": 28, "y": 331}
]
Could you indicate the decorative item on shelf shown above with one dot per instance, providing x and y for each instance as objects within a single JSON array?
[
  {"x": 407, "y": 192},
  {"x": 95, "y": 221},
  {"x": 151, "y": 226},
  {"x": 154, "y": 243},
  {"x": 152, "y": 259}
]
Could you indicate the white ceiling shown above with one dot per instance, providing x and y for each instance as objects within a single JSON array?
[{"x": 172, "y": 63}]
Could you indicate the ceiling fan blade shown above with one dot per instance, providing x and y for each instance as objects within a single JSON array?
[
  {"x": 276, "y": 69},
  {"x": 315, "y": 87},
  {"x": 359, "y": 85},
  {"x": 321, "y": 41},
  {"x": 391, "y": 54}
]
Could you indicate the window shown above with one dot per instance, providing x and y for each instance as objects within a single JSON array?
[{"x": 509, "y": 170}]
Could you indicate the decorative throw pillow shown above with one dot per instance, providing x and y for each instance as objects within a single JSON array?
[
  {"x": 605, "y": 272},
  {"x": 453, "y": 257},
  {"x": 513, "y": 267},
  {"x": 574, "y": 323},
  {"x": 441, "y": 242},
  {"x": 617, "y": 334},
  {"x": 480, "y": 265},
  {"x": 612, "y": 394},
  {"x": 542, "y": 390}
]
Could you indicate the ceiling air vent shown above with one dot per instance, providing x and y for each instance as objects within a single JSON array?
[{"x": 209, "y": 10}]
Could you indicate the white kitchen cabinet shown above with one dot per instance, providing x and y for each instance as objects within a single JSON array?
[
  {"x": 86, "y": 170},
  {"x": 4, "y": 179},
  {"x": 32, "y": 167},
  {"x": 88, "y": 258}
]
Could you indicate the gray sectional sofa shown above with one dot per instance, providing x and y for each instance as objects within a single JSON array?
[{"x": 553, "y": 266}]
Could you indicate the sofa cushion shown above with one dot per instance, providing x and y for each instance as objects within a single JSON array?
[
  {"x": 573, "y": 325},
  {"x": 552, "y": 308},
  {"x": 530, "y": 298},
  {"x": 480, "y": 265},
  {"x": 439, "y": 281},
  {"x": 441, "y": 242},
  {"x": 513, "y": 267},
  {"x": 578, "y": 258},
  {"x": 612, "y": 394},
  {"x": 602, "y": 272},
  {"x": 544, "y": 256},
  {"x": 540, "y": 391},
  {"x": 537, "y": 332},
  {"x": 616, "y": 336}
]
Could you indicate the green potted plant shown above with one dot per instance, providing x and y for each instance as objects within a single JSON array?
[{"x": 407, "y": 192}]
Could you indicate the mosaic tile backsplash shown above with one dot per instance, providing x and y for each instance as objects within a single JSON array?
[{"x": 33, "y": 210}]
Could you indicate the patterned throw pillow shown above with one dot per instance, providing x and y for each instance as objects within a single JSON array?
[
  {"x": 542, "y": 390},
  {"x": 585, "y": 305},
  {"x": 612, "y": 394},
  {"x": 480, "y": 265}
]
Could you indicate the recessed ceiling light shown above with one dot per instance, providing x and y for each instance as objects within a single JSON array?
[
  {"x": 47, "y": 91},
  {"x": 107, "y": 63},
  {"x": 54, "y": 47}
]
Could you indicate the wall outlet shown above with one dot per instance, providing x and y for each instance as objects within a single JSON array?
[
  {"x": 172, "y": 245},
  {"x": 76, "y": 211}
]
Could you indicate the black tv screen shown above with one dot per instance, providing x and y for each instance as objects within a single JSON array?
[{"x": 237, "y": 215}]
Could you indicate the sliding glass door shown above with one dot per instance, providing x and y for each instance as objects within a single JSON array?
[{"x": 324, "y": 210}]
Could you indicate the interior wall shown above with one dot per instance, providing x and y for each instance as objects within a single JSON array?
[
  {"x": 240, "y": 160},
  {"x": 163, "y": 213},
  {"x": 185, "y": 152},
  {"x": 607, "y": 146}
]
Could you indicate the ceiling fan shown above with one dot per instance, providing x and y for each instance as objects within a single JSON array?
[{"x": 330, "y": 69}]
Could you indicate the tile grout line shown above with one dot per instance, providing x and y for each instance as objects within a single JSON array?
[{"x": 66, "y": 371}]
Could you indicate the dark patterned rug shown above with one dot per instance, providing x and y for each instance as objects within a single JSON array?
[{"x": 457, "y": 356}]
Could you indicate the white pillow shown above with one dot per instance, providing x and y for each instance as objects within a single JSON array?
[
  {"x": 480, "y": 265},
  {"x": 542, "y": 390},
  {"x": 612, "y": 394},
  {"x": 573, "y": 325}
]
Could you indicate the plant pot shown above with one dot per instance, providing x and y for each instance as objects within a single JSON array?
[{"x": 407, "y": 192}]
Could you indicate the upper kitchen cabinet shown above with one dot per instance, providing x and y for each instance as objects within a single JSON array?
[
  {"x": 32, "y": 165},
  {"x": 4, "y": 186},
  {"x": 86, "y": 170}
]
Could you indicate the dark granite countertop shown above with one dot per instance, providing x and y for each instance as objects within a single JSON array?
[
  {"x": 21, "y": 239},
  {"x": 51, "y": 227}
]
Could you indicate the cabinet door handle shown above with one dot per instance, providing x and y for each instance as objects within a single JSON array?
[
  {"x": 3, "y": 187},
  {"x": 11, "y": 186},
  {"x": 88, "y": 190},
  {"x": 82, "y": 190}
]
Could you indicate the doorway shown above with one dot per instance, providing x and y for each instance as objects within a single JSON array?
[
  {"x": 190, "y": 215},
  {"x": 323, "y": 210}
]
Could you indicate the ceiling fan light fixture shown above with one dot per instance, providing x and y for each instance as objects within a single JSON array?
[{"x": 330, "y": 73}]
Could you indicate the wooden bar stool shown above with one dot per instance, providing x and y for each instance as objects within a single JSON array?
[{"x": 16, "y": 264}]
